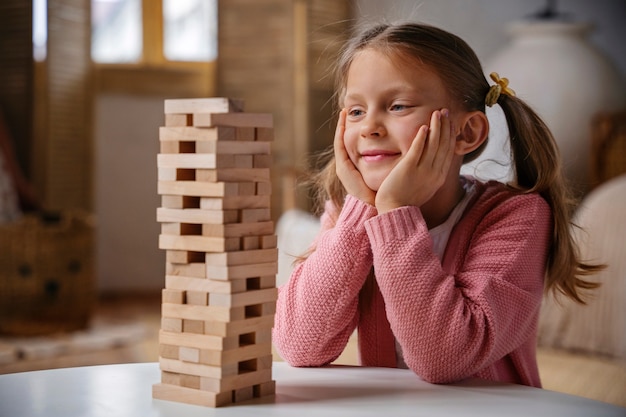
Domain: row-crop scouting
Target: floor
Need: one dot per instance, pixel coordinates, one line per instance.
(124, 329)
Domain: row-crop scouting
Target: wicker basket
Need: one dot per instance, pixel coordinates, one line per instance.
(47, 280)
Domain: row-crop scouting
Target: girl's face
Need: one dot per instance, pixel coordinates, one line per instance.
(387, 101)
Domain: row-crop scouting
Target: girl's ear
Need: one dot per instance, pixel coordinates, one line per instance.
(474, 128)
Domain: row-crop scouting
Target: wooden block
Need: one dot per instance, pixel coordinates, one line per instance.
(197, 298)
(229, 383)
(264, 362)
(263, 188)
(203, 105)
(181, 229)
(238, 327)
(265, 134)
(179, 201)
(234, 148)
(196, 134)
(250, 243)
(198, 369)
(199, 189)
(241, 271)
(173, 296)
(204, 285)
(193, 326)
(189, 381)
(234, 202)
(234, 175)
(183, 256)
(262, 161)
(171, 324)
(242, 257)
(258, 242)
(233, 356)
(268, 308)
(267, 281)
(168, 392)
(167, 174)
(264, 389)
(170, 147)
(179, 146)
(206, 119)
(172, 378)
(191, 312)
(198, 216)
(254, 215)
(243, 161)
(249, 188)
(245, 134)
(187, 354)
(263, 336)
(193, 269)
(196, 160)
(199, 243)
(199, 341)
(244, 298)
(177, 120)
(243, 394)
(177, 256)
(269, 241)
(168, 351)
(238, 229)
(260, 310)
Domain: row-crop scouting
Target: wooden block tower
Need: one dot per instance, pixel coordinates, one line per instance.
(220, 291)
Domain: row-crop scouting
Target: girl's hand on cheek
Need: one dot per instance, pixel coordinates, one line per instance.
(349, 176)
(424, 168)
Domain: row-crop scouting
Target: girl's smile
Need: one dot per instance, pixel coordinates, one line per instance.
(378, 155)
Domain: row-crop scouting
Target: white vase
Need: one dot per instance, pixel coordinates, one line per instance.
(553, 67)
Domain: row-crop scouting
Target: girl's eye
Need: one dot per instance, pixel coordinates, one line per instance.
(398, 107)
(355, 113)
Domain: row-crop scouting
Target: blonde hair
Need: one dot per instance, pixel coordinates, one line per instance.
(534, 151)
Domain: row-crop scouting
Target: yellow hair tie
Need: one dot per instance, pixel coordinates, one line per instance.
(501, 86)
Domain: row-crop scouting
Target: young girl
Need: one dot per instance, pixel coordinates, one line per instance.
(440, 273)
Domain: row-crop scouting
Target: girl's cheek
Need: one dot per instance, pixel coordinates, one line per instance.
(350, 139)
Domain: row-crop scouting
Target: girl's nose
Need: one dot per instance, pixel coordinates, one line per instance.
(372, 128)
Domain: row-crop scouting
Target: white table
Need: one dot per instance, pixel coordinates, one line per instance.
(126, 390)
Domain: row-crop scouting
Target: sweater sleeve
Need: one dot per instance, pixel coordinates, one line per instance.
(316, 310)
(451, 326)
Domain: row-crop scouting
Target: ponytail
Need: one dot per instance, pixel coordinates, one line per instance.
(537, 165)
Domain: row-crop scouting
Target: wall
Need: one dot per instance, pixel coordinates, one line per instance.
(127, 142)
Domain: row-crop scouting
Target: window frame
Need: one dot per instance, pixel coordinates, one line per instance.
(153, 73)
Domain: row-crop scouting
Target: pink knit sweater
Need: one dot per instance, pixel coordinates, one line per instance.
(474, 314)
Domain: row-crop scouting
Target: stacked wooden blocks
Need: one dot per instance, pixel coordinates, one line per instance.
(221, 257)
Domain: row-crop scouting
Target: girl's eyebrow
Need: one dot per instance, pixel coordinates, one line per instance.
(391, 91)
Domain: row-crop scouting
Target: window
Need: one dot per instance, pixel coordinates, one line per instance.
(190, 30)
(155, 46)
(116, 31)
(40, 30)
(135, 31)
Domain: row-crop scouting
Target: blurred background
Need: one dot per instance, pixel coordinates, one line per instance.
(82, 85)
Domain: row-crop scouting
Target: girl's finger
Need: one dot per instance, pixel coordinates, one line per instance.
(432, 143)
(444, 152)
(339, 132)
(417, 146)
